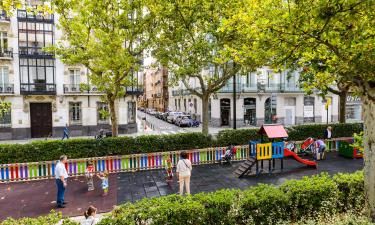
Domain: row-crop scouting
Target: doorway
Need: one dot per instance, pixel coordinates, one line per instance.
(224, 111)
(250, 111)
(41, 119)
(290, 110)
(270, 111)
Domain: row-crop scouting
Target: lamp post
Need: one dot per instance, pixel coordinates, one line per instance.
(234, 103)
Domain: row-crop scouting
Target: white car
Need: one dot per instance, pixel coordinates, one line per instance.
(172, 116)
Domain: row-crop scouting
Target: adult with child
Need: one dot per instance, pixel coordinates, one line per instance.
(183, 172)
(61, 176)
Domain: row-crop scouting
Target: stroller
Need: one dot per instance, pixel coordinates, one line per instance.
(306, 147)
(229, 153)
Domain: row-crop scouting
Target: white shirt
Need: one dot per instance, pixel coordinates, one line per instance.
(60, 171)
(329, 134)
(184, 167)
(90, 221)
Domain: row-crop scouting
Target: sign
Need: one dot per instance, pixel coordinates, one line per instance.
(328, 103)
(308, 111)
(353, 99)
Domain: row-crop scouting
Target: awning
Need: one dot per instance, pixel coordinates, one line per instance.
(273, 131)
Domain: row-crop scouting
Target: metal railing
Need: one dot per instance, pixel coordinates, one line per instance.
(34, 52)
(23, 15)
(7, 88)
(38, 88)
(6, 53)
(77, 89)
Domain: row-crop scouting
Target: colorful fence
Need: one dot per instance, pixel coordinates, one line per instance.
(125, 163)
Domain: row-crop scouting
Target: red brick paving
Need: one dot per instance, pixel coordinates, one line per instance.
(35, 198)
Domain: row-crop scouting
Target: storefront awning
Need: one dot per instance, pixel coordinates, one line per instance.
(273, 131)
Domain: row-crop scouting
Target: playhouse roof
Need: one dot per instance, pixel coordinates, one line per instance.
(273, 131)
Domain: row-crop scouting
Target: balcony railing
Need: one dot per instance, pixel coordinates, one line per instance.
(6, 89)
(6, 53)
(76, 89)
(4, 16)
(134, 90)
(229, 88)
(34, 52)
(38, 89)
(23, 15)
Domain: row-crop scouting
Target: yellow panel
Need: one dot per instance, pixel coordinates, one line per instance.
(264, 151)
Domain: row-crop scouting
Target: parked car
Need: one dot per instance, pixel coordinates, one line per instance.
(172, 116)
(194, 123)
(164, 116)
(183, 120)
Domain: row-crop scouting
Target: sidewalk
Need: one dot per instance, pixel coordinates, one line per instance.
(31, 199)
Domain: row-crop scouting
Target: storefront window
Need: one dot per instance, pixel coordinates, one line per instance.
(353, 108)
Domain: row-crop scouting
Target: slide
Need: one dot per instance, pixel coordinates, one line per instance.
(287, 153)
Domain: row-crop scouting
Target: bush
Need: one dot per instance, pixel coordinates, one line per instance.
(52, 218)
(351, 191)
(86, 148)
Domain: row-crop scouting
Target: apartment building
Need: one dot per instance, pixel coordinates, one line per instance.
(263, 97)
(156, 89)
(45, 94)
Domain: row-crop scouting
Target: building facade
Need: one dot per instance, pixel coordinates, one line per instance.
(156, 93)
(260, 97)
(45, 94)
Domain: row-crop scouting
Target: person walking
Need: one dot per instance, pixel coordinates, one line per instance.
(183, 172)
(66, 132)
(61, 176)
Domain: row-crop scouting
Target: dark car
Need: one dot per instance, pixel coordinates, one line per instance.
(164, 116)
(183, 120)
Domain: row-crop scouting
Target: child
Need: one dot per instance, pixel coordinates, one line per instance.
(89, 176)
(168, 168)
(105, 184)
(90, 216)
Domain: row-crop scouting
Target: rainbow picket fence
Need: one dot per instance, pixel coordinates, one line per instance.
(126, 163)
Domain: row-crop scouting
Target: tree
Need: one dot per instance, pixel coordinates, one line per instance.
(191, 37)
(339, 34)
(108, 37)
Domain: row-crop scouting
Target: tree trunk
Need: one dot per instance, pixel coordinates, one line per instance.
(113, 114)
(342, 105)
(369, 157)
(205, 102)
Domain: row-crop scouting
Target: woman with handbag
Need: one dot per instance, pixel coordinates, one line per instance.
(183, 172)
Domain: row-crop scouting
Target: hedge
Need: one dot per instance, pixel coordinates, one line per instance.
(84, 148)
(315, 198)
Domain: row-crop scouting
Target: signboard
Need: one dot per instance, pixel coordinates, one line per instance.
(308, 111)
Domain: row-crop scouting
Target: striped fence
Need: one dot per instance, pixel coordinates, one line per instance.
(125, 163)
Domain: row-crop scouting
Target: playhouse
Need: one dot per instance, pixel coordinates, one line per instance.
(269, 149)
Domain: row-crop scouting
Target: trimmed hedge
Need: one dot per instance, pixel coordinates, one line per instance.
(311, 198)
(84, 148)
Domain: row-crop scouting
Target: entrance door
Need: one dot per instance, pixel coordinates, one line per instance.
(41, 119)
(289, 115)
(225, 111)
(250, 111)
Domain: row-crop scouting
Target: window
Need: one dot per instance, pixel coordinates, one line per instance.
(131, 112)
(185, 105)
(75, 77)
(179, 104)
(5, 119)
(75, 113)
(3, 41)
(195, 105)
(175, 103)
(103, 113)
(4, 78)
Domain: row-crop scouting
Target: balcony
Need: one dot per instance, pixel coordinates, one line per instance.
(229, 88)
(38, 89)
(134, 90)
(6, 54)
(34, 52)
(249, 88)
(76, 89)
(23, 15)
(6, 89)
(4, 17)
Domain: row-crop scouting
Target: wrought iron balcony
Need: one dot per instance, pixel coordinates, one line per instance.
(4, 17)
(34, 52)
(77, 89)
(23, 15)
(38, 89)
(134, 90)
(229, 88)
(249, 88)
(6, 53)
(6, 89)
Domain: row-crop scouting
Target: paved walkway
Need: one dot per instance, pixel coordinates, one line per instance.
(30, 199)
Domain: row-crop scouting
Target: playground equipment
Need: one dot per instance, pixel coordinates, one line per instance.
(346, 150)
(261, 151)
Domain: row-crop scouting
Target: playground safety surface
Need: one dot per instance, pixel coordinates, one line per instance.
(34, 198)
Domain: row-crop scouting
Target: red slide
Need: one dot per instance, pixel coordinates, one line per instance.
(287, 153)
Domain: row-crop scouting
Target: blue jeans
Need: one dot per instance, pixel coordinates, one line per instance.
(65, 136)
(60, 192)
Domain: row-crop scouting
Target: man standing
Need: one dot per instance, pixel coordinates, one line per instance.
(61, 178)
(328, 133)
(66, 132)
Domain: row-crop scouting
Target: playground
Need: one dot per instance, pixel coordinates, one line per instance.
(33, 198)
